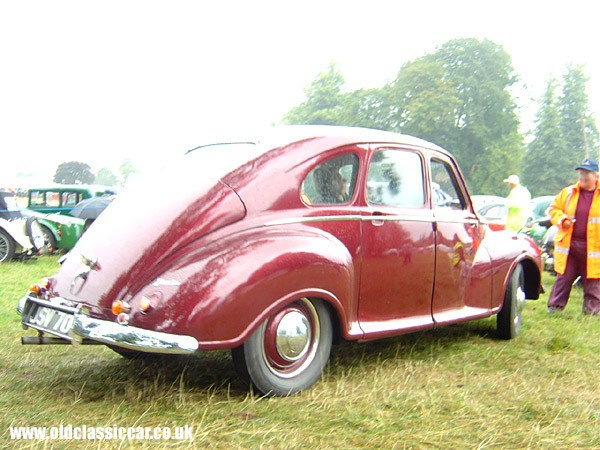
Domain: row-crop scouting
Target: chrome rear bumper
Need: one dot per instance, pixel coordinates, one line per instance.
(86, 329)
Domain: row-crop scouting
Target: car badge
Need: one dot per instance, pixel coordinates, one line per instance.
(89, 263)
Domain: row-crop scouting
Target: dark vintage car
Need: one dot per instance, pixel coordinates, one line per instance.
(20, 236)
(275, 247)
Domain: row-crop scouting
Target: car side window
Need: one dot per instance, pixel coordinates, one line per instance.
(52, 199)
(38, 198)
(496, 212)
(395, 178)
(445, 191)
(331, 182)
(69, 198)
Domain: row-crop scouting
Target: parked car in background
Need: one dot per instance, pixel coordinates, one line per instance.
(540, 205)
(20, 236)
(479, 201)
(90, 208)
(539, 210)
(278, 246)
(62, 198)
(60, 231)
(495, 215)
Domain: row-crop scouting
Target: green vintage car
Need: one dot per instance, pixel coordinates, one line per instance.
(62, 198)
(56, 203)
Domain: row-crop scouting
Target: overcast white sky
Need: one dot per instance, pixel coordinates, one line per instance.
(100, 81)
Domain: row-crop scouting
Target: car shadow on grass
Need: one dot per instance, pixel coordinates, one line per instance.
(106, 376)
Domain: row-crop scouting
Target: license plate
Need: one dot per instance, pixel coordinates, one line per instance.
(50, 321)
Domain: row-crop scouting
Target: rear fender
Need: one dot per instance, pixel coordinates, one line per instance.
(220, 293)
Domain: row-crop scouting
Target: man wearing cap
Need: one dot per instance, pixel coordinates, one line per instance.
(517, 203)
(576, 212)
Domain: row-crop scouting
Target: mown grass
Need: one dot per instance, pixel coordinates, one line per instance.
(454, 388)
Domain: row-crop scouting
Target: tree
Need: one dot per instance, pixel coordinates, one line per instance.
(565, 133)
(126, 169)
(323, 105)
(106, 177)
(419, 102)
(547, 156)
(577, 124)
(73, 173)
(459, 98)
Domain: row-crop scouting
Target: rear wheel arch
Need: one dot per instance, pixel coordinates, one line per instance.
(288, 351)
(276, 280)
(334, 308)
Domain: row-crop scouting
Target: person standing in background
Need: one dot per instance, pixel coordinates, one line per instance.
(517, 203)
(576, 213)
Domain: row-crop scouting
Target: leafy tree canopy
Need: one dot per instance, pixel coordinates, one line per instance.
(107, 178)
(73, 172)
(126, 169)
(457, 97)
(565, 133)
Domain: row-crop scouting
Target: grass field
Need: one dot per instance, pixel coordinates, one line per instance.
(453, 388)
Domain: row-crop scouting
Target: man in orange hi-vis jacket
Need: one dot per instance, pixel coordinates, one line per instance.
(576, 212)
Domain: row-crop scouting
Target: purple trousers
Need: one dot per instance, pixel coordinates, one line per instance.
(576, 266)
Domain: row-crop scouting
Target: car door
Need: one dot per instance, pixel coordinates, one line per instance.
(398, 248)
(462, 286)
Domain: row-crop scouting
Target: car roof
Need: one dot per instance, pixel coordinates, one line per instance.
(331, 136)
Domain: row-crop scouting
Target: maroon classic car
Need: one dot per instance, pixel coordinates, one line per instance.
(275, 247)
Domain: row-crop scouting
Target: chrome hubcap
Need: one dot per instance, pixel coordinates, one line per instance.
(293, 336)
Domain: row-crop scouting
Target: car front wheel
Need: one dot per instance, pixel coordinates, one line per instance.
(287, 352)
(509, 317)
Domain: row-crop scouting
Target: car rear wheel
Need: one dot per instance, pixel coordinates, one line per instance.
(35, 234)
(509, 318)
(7, 247)
(49, 241)
(287, 352)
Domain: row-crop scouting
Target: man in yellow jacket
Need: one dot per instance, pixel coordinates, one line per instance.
(517, 203)
(576, 212)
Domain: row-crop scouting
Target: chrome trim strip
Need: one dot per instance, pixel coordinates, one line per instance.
(397, 219)
(311, 220)
(394, 218)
